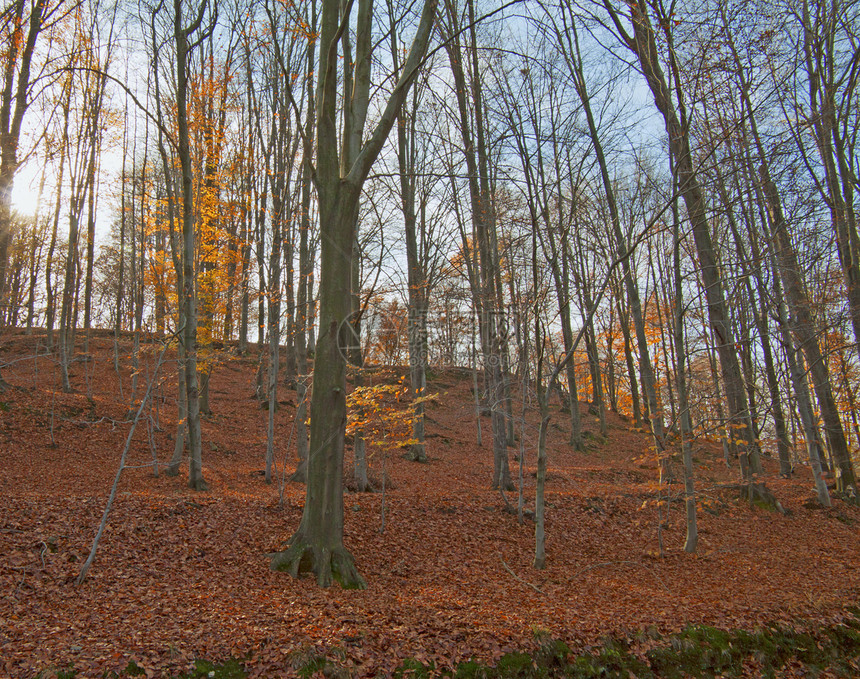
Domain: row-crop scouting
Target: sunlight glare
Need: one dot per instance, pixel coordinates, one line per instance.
(25, 190)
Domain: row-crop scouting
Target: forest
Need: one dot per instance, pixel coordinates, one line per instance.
(311, 260)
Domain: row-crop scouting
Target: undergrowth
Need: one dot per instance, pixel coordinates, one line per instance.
(698, 651)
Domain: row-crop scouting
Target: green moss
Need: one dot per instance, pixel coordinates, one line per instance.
(415, 669)
(203, 669)
(518, 664)
(696, 651)
(471, 670)
(133, 669)
(702, 651)
(764, 504)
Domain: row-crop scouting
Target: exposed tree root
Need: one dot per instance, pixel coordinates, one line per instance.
(416, 454)
(200, 485)
(758, 494)
(329, 565)
(510, 509)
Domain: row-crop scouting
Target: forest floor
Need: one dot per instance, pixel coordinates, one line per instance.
(182, 575)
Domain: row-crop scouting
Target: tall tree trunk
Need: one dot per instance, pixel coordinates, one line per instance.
(181, 36)
(643, 44)
(802, 323)
(624, 320)
(415, 273)
(14, 101)
(474, 146)
(623, 253)
(305, 271)
(317, 545)
(760, 318)
(587, 304)
(686, 423)
(824, 79)
(50, 287)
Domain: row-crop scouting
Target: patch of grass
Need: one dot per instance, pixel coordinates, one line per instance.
(308, 661)
(203, 669)
(702, 651)
(134, 670)
(697, 651)
(414, 669)
(51, 672)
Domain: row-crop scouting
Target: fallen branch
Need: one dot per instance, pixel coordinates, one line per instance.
(518, 578)
(92, 555)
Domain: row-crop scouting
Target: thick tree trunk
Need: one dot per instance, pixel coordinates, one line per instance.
(317, 546)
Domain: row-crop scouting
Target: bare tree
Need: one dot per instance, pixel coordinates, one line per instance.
(342, 166)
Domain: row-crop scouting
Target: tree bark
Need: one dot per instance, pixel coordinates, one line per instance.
(317, 545)
(181, 36)
(14, 101)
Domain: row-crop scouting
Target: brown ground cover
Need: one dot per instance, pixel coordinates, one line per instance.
(182, 575)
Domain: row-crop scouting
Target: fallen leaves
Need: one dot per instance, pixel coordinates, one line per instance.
(182, 575)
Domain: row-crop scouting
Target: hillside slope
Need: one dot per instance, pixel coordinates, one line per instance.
(182, 574)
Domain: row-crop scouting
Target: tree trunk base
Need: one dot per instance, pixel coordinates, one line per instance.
(328, 565)
(361, 486)
(757, 494)
(198, 484)
(416, 454)
(301, 473)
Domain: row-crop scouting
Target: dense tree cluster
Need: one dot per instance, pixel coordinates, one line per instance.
(648, 206)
